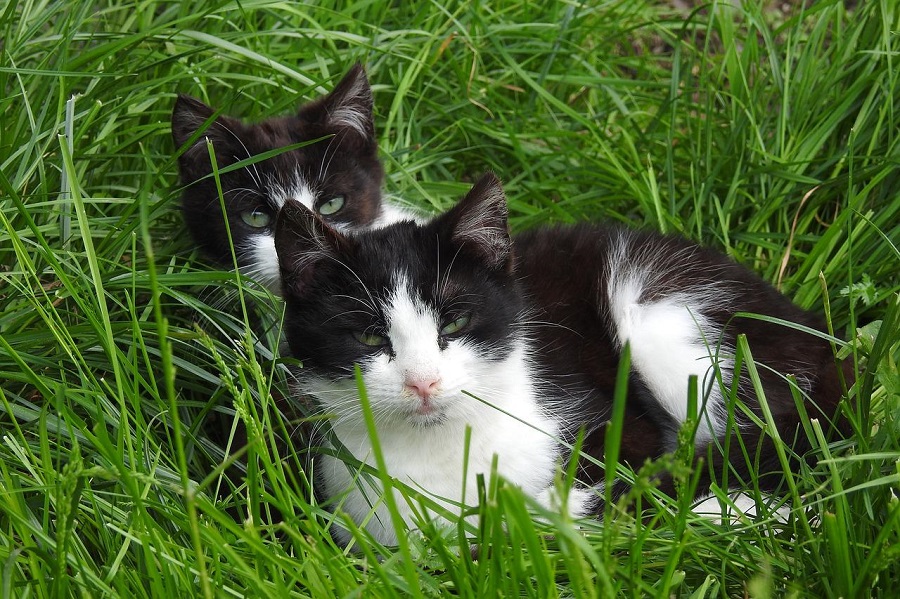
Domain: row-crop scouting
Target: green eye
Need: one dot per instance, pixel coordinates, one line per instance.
(455, 326)
(256, 218)
(332, 206)
(370, 339)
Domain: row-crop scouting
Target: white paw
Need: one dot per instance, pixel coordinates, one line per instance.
(579, 502)
(742, 506)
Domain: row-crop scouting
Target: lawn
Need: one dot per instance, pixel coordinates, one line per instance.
(130, 370)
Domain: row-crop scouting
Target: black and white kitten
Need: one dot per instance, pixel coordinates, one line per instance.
(338, 177)
(439, 314)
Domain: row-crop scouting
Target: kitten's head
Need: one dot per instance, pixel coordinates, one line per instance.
(338, 177)
(427, 311)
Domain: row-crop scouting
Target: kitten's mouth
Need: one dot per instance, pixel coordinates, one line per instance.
(426, 413)
(426, 408)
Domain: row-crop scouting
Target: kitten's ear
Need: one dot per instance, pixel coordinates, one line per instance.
(479, 223)
(302, 242)
(189, 116)
(347, 107)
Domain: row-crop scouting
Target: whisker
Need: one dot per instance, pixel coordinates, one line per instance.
(323, 166)
(254, 174)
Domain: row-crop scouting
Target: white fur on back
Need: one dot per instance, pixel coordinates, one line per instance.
(670, 338)
(428, 455)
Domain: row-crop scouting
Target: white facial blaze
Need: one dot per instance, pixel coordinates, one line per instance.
(416, 360)
(298, 189)
(413, 330)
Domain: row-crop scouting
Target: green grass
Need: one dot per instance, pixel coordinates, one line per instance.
(123, 375)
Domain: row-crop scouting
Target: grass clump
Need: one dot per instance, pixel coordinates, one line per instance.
(126, 383)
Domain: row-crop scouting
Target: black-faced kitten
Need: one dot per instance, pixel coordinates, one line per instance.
(457, 326)
(339, 177)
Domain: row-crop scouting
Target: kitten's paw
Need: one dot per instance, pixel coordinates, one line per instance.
(578, 502)
(741, 507)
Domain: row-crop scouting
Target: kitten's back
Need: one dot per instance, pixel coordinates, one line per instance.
(675, 303)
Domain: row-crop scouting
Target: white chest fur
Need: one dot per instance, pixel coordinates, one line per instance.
(430, 456)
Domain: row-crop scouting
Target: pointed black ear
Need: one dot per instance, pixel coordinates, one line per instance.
(188, 117)
(479, 223)
(303, 241)
(347, 107)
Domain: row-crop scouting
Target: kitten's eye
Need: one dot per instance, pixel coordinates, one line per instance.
(455, 326)
(258, 218)
(332, 206)
(370, 339)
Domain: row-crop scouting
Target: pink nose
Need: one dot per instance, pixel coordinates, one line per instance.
(424, 388)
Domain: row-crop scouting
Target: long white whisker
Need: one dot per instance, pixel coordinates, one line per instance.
(257, 179)
(324, 166)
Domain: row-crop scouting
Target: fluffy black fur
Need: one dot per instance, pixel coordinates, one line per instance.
(343, 163)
